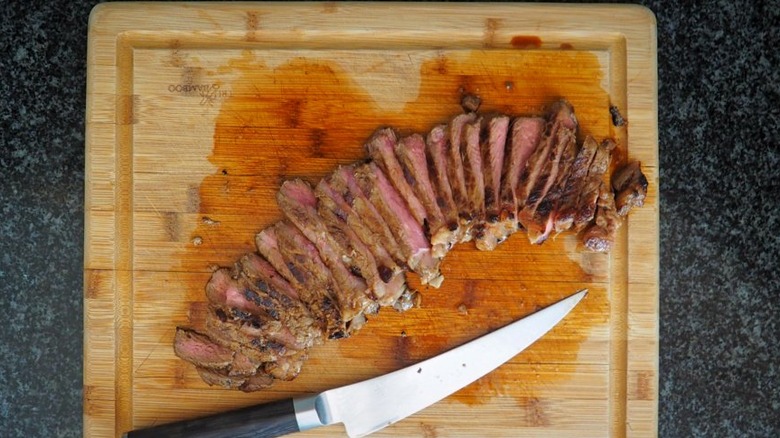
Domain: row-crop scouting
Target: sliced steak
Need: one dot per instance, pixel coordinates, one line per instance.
(381, 149)
(264, 279)
(344, 183)
(243, 333)
(312, 279)
(214, 323)
(456, 173)
(201, 350)
(286, 368)
(543, 167)
(257, 382)
(216, 364)
(526, 134)
(251, 383)
(600, 236)
(297, 201)
(436, 154)
(630, 186)
(221, 379)
(471, 151)
(411, 156)
(542, 221)
(268, 246)
(346, 226)
(243, 365)
(407, 231)
(492, 165)
(589, 194)
(567, 202)
(282, 320)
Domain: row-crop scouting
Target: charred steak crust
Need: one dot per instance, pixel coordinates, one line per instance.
(344, 246)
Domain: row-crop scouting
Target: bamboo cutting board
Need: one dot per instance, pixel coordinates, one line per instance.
(197, 112)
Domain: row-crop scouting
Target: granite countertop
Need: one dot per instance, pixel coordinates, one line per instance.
(719, 94)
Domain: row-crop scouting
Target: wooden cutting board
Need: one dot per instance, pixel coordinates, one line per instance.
(197, 112)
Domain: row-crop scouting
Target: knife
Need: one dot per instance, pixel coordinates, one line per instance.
(374, 404)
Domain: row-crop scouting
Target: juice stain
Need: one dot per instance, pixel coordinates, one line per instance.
(303, 117)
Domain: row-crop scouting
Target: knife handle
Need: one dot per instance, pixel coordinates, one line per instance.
(266, 420)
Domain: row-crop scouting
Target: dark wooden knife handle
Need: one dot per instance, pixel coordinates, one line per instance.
(266, 420)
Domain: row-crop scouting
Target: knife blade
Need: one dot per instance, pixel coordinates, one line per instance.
(374, 404)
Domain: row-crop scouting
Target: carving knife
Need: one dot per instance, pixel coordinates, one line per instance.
(374, 404)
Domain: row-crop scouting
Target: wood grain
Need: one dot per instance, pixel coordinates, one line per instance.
(197, 112)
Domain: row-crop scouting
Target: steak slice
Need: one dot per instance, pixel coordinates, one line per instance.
(286, 368)
(600, 235)
(221, 379)
(542, 221)
(268, 246)
(471, 152)
(280, 319)
(320, 290)
(588, 197)
(543, 166)
(436, 154)
(201, 350)
(264, 279)
(407, 231)
(217, 364)
(299, 204)
(410, 152)
(257, 382)
(526, 135)
(381, 148)
(630, 186)
(344, 183)
(224, 331)
(251, 383)
(492, 166)
(456, 173)
(567, 202)
(243, 333)
(347, 226)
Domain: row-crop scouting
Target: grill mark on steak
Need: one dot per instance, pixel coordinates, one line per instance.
(407, 231)
(298, 203)
(381, 148)
(410, 152)
(493, 151)
(436, 155)
(525, 137)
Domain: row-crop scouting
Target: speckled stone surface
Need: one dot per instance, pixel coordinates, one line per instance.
(719, 120)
